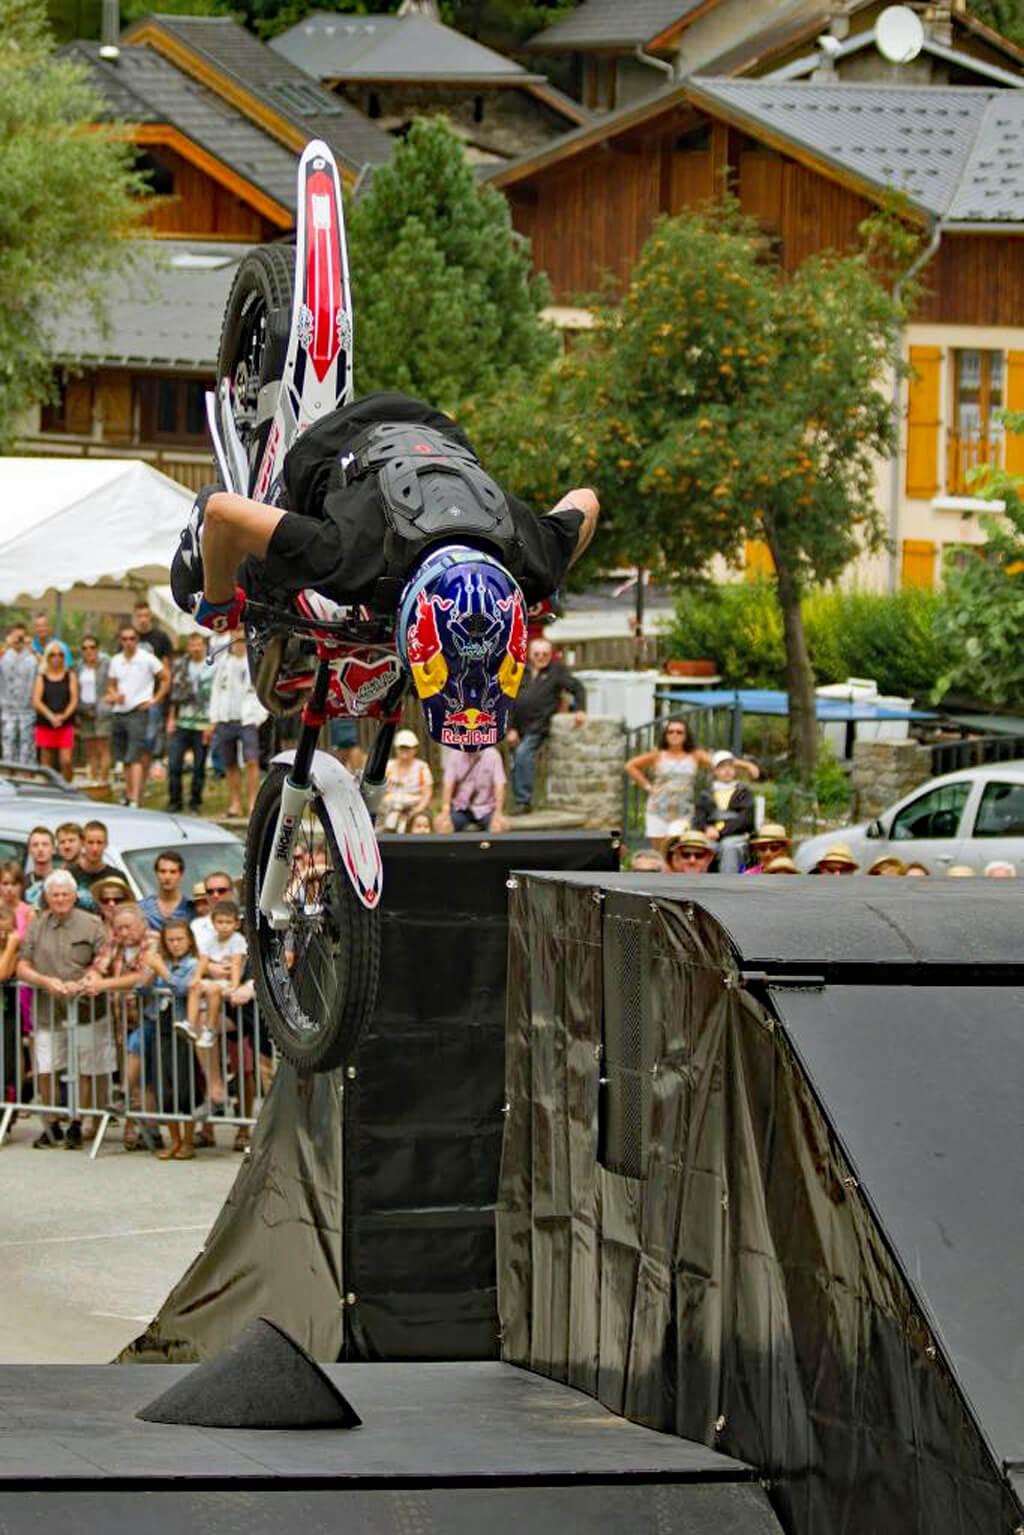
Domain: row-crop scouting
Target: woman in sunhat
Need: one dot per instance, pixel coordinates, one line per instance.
(837, 859)
(771, 841)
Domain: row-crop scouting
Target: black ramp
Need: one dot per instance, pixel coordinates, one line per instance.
(924, 1087)
(821, 924)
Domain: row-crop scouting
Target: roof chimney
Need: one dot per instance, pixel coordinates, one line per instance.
(110, 31)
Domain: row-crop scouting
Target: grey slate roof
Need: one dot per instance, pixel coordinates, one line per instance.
(917, 139)
(612, 23)
(166, 314)
(226, 46)
(143, 86)
(992, 185)
(330, 45)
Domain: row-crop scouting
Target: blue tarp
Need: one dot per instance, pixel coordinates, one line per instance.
(770, 701)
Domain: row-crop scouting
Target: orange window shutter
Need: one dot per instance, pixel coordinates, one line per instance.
(923, 422)
(918, 562)
(1015, 402)
(757, 561)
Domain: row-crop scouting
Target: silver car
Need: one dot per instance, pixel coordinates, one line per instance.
(136, 836)
(970, 817)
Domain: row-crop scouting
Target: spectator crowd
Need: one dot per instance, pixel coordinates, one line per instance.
(153, 996)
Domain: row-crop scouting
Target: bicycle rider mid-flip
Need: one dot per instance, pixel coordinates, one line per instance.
(384, 504)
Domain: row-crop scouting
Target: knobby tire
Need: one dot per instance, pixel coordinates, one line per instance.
(315, 1009)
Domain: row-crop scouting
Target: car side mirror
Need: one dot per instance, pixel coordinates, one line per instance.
(874, 829)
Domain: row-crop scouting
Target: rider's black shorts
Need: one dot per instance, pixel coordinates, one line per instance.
(345, 564)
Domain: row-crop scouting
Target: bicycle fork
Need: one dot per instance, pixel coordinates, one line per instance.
(296, 793)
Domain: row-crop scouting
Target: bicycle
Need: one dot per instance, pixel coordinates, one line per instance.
(312, 865)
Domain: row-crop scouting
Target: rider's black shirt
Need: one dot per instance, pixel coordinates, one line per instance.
(333, 536)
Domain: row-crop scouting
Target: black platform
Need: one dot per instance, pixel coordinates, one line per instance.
(459, 1449)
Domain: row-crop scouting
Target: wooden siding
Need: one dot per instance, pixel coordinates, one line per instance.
(975, 279)
(590, 218)
(199, 208)
(592, 214)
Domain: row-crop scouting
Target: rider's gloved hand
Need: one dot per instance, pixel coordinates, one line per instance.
(220, 616)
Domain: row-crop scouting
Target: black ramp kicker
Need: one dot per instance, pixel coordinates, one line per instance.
(925, 1091)
(262, 1379)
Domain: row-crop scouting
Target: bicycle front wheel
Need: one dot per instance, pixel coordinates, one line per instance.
(316, 981)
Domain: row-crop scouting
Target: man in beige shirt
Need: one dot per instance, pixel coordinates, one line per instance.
(58, 949)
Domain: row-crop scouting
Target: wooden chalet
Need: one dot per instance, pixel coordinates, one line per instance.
(620, 54)
(218, 120)
(394, 68)
(810, 162)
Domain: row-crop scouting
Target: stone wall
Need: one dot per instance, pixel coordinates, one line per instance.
(883, 771)
(582, 768)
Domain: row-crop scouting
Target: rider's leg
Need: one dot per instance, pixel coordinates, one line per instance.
(232, 528)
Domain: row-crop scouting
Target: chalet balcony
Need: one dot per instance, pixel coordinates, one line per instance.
(189, 467)
(967, 453)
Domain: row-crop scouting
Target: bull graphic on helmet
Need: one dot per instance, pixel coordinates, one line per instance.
(462, 633)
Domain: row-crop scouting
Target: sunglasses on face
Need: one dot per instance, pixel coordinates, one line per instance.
(687, 856)
(218, 889)
(111, 900)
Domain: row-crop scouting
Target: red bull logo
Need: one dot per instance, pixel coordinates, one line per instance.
(513, 664)
(423, 645)
(469, 727)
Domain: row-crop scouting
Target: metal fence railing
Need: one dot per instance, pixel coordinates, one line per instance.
(103, 1060)
(975, 751)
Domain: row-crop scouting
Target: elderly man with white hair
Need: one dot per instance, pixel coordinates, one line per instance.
(1000, 868)
(57, 952)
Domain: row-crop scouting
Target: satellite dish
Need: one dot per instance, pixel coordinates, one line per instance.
(899, 34)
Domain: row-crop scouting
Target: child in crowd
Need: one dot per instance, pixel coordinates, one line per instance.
(174, 962)
(219, 971)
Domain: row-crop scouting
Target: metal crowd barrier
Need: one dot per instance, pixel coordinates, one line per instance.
(108, 1060)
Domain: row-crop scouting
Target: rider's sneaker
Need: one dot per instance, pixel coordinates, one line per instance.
(187, 565)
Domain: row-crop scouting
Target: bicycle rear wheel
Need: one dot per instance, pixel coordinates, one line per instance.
(316, 982)
(254, 338)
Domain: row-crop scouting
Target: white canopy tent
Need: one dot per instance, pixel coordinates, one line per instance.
(85, 521)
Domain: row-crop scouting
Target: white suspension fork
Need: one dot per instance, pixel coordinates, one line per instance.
(278, 874)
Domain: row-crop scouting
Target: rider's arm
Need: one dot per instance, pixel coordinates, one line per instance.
(585, 501)
(233, 527)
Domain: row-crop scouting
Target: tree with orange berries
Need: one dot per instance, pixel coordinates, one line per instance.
(723, 399)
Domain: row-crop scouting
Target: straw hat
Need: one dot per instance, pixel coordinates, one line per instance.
(771, 831)
(888, 861)
(839, 854)
(688, 838)
(960, 871)
(199, 891)
(110, 885)
(780, 865)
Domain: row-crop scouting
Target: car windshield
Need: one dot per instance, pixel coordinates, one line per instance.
(201, 858)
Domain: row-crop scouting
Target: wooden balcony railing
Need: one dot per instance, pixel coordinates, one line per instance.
(964, 454)
(188, 467)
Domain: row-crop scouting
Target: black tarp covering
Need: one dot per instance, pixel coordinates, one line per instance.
(681, 1232)
(423, 1116)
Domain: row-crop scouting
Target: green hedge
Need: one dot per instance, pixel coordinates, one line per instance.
(849, 634)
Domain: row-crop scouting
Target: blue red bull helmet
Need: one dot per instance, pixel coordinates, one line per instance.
(462, 633)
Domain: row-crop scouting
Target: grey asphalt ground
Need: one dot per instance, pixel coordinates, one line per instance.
(89, 1249)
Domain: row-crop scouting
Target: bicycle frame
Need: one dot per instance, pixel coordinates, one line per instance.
(349, 806)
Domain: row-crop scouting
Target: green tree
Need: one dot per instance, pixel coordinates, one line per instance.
(982, 618)
(723, 400)
(444, 301)
(67, 196)
(1005, 16)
